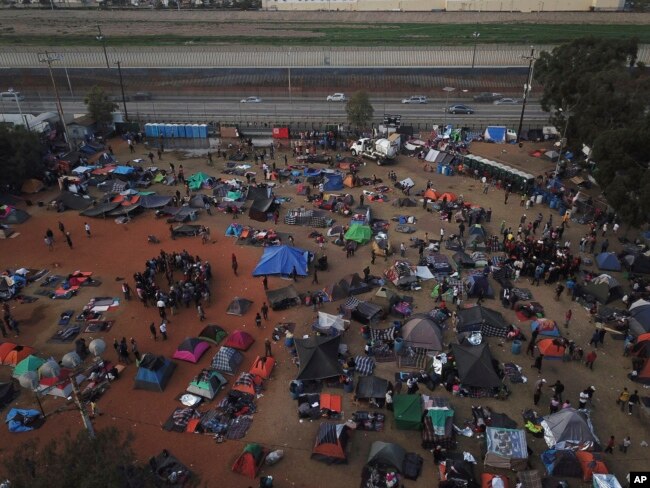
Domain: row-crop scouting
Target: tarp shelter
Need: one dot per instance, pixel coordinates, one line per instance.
(561, 463)
(367, 313)
(257, 192)
(337, 291)
(545, 327)
(329, 324)
(480, 319)
(330, 445)
(100, 210)
(20, 420)
(605, 481)
(569, 429)
(283, 298)
(8, 393)
(186, 230)
(154, 372)
(260, 209)
(371, 387)
(478, 284)
(494, 133)
(333, 182)
(227, 360)
(200, 180)
(607, 261)
(280, 260)
(32, 186)
(476, 367)
(408, 412)
(422, 331)
(318, 357)
(405, 202)
(213, 334)
(590, 464)
(637, 263)
(239, 340)
(207, 384)
(191, 349)
(551, 349)
(358, 233)
(386, 455)
(604, 288)
(250, 460)
(154, 201)
(239, 306)
(506, 448)
(30, 363)
(74, 201)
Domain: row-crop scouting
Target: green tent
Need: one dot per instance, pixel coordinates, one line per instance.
(30, 363)
(234, 195)
(207, 384)
(408, 412)
(196, 181)
(358, 233)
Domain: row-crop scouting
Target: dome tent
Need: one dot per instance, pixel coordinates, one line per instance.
(569, 428)
(154, 373)
(330, 445)
(191, 349)
(421, 331)
(281, 260)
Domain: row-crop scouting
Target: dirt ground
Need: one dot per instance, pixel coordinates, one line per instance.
(260, 24)
(119, 250)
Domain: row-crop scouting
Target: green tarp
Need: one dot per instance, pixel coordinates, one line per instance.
(408, 412)
(196, 181)
(358, 233)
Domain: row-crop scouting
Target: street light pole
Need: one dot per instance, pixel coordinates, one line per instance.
(475, 35)
(290, 97)
(119, 70)
(48, 58)
(102, 39)
(527, 87)
(15, 95)
(447, 89)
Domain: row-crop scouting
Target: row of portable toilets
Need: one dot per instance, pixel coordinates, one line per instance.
(181, 131)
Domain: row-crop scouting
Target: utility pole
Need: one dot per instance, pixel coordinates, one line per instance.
(290, 100)
(102, 39)
(48, 58)
(119, 69)
(82, 409)
(476, 34)
(527, 87)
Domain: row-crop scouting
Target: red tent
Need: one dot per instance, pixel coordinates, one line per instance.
(550, 349)
(431, 195)
(6, 348)
(448, 196)
(640, 349)
(17, 354)
(250, 460)
(262, 367)
(239, 340)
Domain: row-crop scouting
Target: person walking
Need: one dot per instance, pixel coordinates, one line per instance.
(373, 255)
(583, 398)
(590, 359)
(126, 290)
(162, 308)
(68, 239)
(234, 264)
(537, 394)
(314, 280)
(402, 249)
(135, 350)
(594, 339)
(116, 346)
(634, 400)
(87, 229)
(554, 405)
(623, 398)
(49, 242)
(538, 363)
(625, 445)
(152, 329)
(258, 320)
(200, 312)
(567, 318)
(533, 340)
(265, 282)
(163, 330)
(267, 348)
(61, 227)
(265, 311)
(294, 274)
(610, 445)
(558, 389)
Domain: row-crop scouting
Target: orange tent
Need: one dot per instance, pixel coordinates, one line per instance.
(330, 444)
(550, 349)
(17, 354)
(591, 463)
(246, 383)
(262, 367)
(431, 194)
(6, 348)
(448, 196)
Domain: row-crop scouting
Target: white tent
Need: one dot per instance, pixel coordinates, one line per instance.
(328, 322)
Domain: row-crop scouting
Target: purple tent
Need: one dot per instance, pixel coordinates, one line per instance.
(191, 350)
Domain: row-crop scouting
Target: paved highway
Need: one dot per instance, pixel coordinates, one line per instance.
(283, 108)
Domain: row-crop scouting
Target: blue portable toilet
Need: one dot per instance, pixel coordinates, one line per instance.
(181, 130)
(169, 130)
(147, 130)
(175, 130)
(154, 130)
(195, 131)
(439, 171)
(203, 131)
(188, 131)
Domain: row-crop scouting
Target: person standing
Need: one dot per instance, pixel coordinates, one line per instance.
(61, 227)
(533, 340)
(267, 348)
(583, 398)
(68, 239)
(265, 311)
(567, 318)
(610, 445)
(402, 249)
(135, 350)
(558, 389)
(373, 255)
(126, 290)
(265, 282)
(87, 229)
(554, 406)
(625, 445)
(152, 330)
(538, 363)
(3, 329)
(161, 308)
(623, 398)
(634, 400)
(590, 359)
(116, 346)
(234, 263)
(537, 394)
(314, 280)
(258, 320)
(294, 274)
(49, 243)
(200, 312)
(163, 330)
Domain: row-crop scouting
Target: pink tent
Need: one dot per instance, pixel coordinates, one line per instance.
(191, 350)
(239, 340)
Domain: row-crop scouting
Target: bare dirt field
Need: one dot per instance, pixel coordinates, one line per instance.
(120, 250)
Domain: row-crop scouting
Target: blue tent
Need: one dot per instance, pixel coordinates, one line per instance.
(19, 420)
(495, 133)
(234, 230)
(153, 373)
(280, 260)
(333, 182)
(312, 172)
(477, 283)
(608, 261)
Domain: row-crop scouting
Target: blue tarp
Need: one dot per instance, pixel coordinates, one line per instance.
(123, 170)
(280, 260)
(18, 419)
(312, 172)
(333, 182)
(495, 133)
(608, 261)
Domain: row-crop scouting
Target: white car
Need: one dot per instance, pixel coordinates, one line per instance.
(415, 99)
(336, 97)
(250, 100)
(507, 101)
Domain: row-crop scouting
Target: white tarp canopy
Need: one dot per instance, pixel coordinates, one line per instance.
(328, 321)
(432, 155)
(424, 273)
(407, 182)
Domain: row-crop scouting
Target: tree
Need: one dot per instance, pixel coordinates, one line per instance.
(100, 108)
(22, 157)
(82, 462)
(359, 109)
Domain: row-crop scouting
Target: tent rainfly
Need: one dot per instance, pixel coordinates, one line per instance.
(318, 357)
(330, 444)
(408, 412)
(506, 448)
(281, 260)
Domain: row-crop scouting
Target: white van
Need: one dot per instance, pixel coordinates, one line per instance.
(11, 96)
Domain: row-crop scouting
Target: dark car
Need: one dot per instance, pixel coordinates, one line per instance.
(314, 158)
(460, 109)
(487, 97)
(142, 96)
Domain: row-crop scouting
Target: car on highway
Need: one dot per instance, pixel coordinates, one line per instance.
(11, 96)
(415, 99)
(142, 96)
(250, 100)
(487, 97)
(460, 109)
(336, 97)
(117, 98)
(507, 101)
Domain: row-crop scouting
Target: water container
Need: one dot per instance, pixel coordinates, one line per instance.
(555, 201)
(445, 170)
(539, 198)
(399, 343)
(516, 347)
(203, 131)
